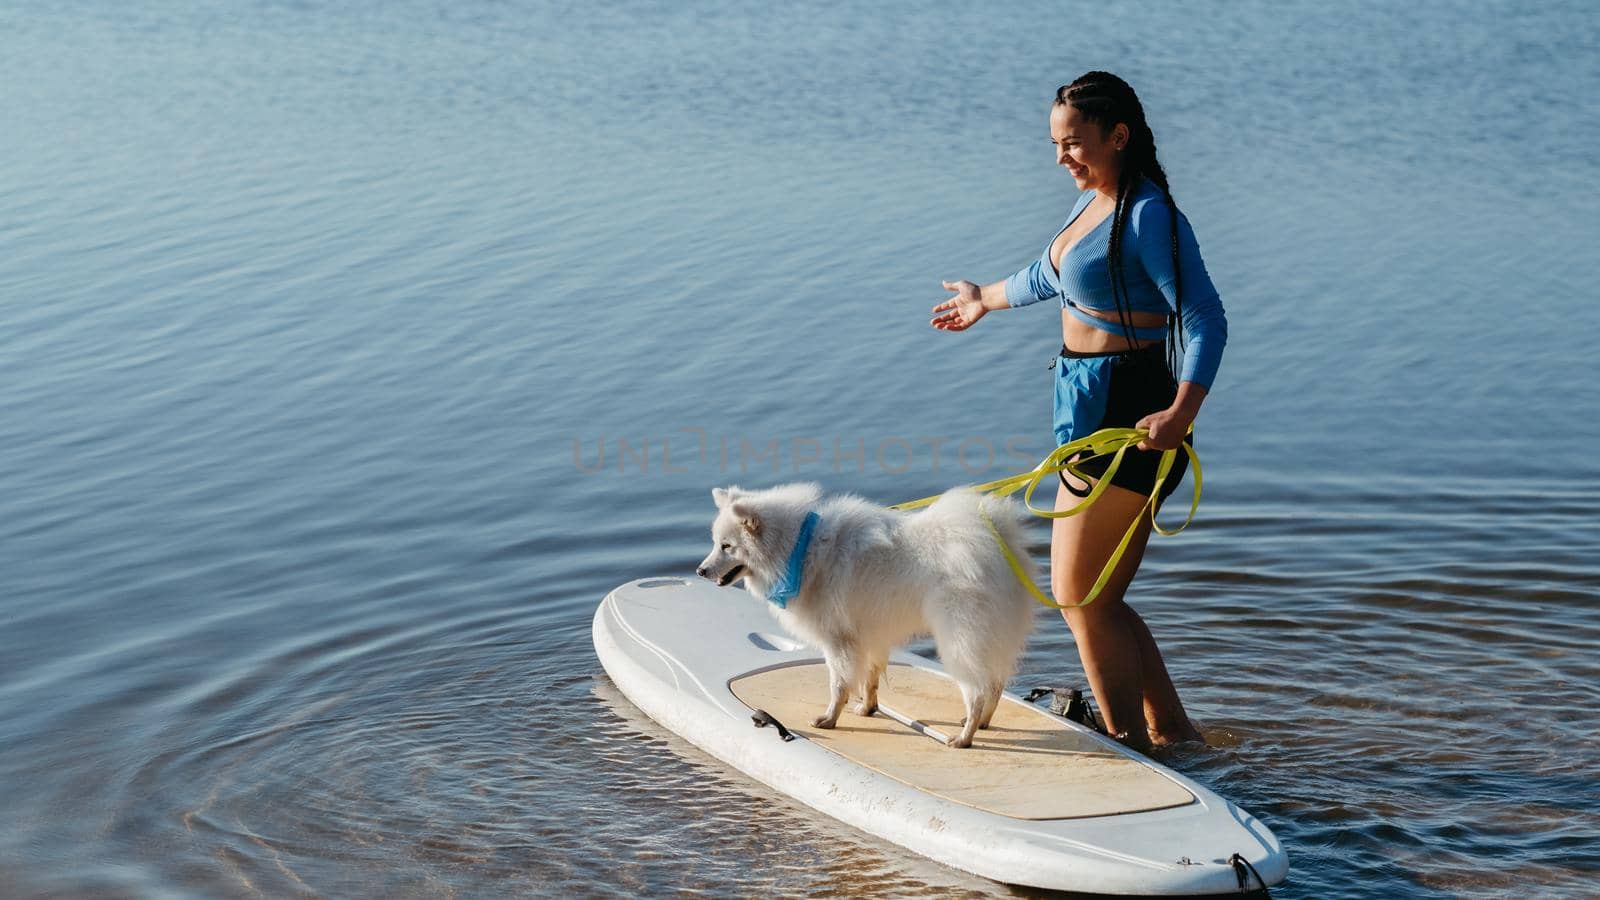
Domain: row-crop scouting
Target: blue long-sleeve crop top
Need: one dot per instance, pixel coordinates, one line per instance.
(1085, 279)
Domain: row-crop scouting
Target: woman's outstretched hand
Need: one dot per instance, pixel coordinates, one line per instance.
(961, 311)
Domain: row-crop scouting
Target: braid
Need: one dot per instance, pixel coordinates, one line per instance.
(1175, 337)
(1106, 99)
(1119, 279)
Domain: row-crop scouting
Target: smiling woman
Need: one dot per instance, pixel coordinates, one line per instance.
(1128, 297)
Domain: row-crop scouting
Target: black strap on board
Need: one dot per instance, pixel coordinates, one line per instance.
(762, 718)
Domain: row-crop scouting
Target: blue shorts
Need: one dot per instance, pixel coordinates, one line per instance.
(1116, 390)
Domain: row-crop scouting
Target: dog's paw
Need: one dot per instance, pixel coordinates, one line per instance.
(862, 709)
(958, 742)
(824, 722)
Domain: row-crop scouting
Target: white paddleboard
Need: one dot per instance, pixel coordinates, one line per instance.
(1037, 800)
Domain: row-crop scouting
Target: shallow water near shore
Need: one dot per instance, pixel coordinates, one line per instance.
(353, 355)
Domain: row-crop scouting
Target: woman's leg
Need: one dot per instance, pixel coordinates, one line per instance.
(1120, 658)
(1163, 711)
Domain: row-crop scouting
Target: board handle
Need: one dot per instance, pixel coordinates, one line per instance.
(762, 718)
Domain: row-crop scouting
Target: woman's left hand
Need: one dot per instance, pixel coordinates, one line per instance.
(1167, 429)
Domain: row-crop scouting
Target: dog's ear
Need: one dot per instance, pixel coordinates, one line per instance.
(747, 516)
(721, 496)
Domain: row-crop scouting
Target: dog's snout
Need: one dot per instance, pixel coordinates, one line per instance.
(701, 571)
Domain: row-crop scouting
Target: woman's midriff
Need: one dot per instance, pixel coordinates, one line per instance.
(1080, 335)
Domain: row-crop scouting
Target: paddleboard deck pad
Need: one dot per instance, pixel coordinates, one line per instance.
(1037, 800)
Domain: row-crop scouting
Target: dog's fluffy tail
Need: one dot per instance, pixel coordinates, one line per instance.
(967, 548)
(1011, 519)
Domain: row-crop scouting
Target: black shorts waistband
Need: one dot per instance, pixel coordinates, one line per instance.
(1158, 346)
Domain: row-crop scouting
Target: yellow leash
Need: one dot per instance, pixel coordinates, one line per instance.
(1113, 442)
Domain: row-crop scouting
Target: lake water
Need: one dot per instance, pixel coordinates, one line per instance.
(352, 352)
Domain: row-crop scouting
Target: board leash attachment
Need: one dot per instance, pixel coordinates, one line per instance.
(1068, 703)
(762, 718)
(1240, 864)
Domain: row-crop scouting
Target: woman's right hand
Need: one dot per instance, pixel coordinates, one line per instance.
(961, 311)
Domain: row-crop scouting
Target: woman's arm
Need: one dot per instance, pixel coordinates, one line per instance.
(1205, 324)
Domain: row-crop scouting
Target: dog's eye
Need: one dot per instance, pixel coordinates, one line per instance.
(726, 547)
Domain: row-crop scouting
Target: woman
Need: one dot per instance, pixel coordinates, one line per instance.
(1118, 367)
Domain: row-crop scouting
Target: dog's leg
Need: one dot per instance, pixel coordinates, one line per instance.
(869, 689)
(973, 701)
(991, 702)
(839, 691)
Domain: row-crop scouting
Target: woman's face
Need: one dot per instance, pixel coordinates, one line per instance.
(1094, 159)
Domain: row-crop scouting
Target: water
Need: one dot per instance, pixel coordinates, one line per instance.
(315, 317)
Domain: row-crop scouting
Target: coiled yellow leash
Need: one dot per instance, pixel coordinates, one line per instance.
(1113, 442)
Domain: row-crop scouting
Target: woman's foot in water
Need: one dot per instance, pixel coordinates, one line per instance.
(1134, 740)
(1187, 734)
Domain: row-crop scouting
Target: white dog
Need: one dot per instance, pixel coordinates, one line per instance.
(861, 580)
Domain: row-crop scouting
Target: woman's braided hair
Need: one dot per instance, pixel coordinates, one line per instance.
(1105, 99)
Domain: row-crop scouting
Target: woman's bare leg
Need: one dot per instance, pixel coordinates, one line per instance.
(1120, 658)
(1163, 711)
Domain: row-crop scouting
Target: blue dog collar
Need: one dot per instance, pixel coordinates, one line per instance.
(789, 585)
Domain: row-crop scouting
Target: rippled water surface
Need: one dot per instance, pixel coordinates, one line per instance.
(353, 352)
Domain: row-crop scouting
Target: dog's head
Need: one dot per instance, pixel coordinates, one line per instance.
(752, 530)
